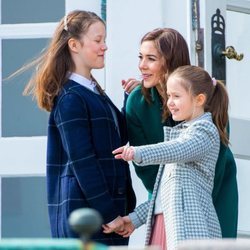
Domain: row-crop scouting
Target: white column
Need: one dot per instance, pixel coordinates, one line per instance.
(0, 207)
(1, 82)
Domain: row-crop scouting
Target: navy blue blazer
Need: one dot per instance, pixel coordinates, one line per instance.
(81, 170)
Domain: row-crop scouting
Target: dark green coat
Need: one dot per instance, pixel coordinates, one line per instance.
(145, 127)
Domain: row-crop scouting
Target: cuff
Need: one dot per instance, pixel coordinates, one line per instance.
(135, 220)
(137, 156)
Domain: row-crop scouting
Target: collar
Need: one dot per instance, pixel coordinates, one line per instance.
(90, 84)
(206, 116)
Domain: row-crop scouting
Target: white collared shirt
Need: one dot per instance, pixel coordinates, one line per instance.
(83, 81)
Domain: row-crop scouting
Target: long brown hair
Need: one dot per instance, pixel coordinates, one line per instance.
(197, 81)
(54, 64)
(173, 48)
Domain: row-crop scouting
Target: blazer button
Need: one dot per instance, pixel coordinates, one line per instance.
(120, 191)
(169, 174)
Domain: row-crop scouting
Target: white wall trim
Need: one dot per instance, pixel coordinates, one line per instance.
(0, 105)
(241, 6)
(0, 207)
(27, 30)
(1, 82)
(26, 157)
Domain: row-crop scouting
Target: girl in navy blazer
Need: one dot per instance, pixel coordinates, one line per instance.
(84, 128)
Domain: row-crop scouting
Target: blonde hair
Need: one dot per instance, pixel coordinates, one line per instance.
(54, 64)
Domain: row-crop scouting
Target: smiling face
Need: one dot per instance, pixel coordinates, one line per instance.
(88, 52)
(94, 46)
(181, 103)
(150, 64)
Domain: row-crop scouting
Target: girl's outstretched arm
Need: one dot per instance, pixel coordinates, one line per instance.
(125, 152)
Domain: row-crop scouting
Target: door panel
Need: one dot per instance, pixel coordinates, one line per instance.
(238, 35)
(17, 110)
(238, 85)
(244, 208)
(237, 32)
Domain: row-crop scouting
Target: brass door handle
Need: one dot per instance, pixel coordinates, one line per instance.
(231, 53)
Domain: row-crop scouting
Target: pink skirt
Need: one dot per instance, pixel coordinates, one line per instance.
(158, 236)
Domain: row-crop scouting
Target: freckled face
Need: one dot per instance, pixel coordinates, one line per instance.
(94, 46)
(150, 64)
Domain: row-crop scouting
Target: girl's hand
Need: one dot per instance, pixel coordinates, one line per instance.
(128, 227)
(113, 226)
(130, 84)
(126, 153)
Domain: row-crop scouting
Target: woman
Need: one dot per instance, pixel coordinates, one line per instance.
(161, 52)
(84, 127)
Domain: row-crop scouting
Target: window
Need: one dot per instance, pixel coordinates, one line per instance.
(32, 11)
(20, 114)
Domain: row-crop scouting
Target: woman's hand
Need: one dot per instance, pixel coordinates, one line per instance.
(126, 153)
(130, 84)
